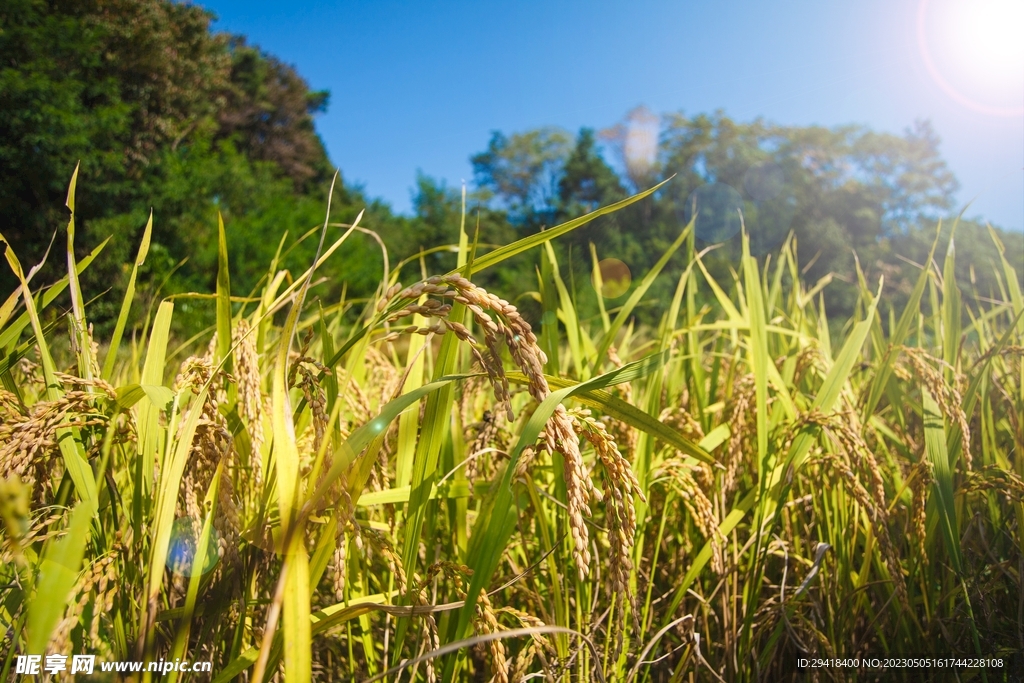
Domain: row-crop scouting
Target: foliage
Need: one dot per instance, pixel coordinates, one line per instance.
(840, 191)
(523, 170)
(431, 485)
(166, 115)
(268, 114)
(162, 114)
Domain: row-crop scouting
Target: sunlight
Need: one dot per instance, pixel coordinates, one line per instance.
(974, 51)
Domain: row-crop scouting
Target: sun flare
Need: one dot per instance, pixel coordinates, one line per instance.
(974, 49)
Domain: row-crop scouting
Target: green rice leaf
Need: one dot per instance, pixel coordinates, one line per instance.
(11, 333)
(58, 574)
(897, 337)
(223, 297)
(130, 394)
(942, 488)
(298, 637)
(951, 323)
(167, 497)
(70, 446)
(634, 298)
(126, 303)
(525, 244)
(610, 404)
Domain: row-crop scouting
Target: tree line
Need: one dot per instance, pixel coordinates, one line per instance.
(165, 114)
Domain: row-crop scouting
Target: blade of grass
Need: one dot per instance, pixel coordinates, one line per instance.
(897, 337)
(297, 629)
(634, 298)
(223, 298)
(568, 311)
(11, 333)
(757, 350)
(951, 321)
(151, 436)
(126, 303)
(525, 244)
(81, 340)
(58, 574)
(166, 501)
(197, 570)
(599, 287)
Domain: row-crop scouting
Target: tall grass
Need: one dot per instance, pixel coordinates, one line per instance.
(424, 486)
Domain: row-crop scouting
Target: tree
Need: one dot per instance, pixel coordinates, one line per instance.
(269, 115)
(523, 171)
(91, 81)
(587, 182)
(908, 174)
(161, 113)
(841, 191)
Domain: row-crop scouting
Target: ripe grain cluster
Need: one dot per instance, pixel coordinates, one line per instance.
(427, 486)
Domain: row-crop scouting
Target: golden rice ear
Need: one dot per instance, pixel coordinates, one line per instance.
(948, 396)
(920, 479)
(487, 622)
(562, 438)
(851, 452)
(250, 395)
(339, 567)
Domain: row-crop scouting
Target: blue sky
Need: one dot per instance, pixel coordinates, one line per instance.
(419, 86)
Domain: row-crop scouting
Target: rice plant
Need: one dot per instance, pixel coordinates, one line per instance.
(429, 486)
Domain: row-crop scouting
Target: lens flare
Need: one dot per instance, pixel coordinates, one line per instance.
(974, 50)
(640, 147)
(181, 553)
(615, 278)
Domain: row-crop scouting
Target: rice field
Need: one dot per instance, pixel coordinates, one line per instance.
(427, 486)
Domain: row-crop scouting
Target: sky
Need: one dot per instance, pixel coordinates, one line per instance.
(419, 86)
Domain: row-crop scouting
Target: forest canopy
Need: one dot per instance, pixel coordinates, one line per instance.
(163, 113)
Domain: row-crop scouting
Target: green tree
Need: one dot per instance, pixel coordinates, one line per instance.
(163, 114)
(91, 81)
(587, 182)
(841, 191)
(522, 171)
(269, 115)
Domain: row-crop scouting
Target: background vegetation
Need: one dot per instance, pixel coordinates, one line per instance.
(165, 115)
